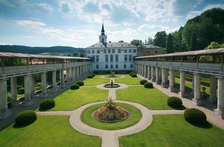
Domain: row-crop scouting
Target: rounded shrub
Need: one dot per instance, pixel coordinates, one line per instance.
(133, 75)
(195, 116)
(74, 86)
(90, 76)
(174, 102)
(148, 85)
(93, 74)
(47, 104)
(25, 117)
(143, 81)
(80, 83)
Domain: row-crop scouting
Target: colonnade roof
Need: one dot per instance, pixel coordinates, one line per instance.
(36, 56)
(189, 53)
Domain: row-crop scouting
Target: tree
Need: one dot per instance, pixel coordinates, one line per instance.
(169, 44)
(136, 42)
(160, 39)
(194, 42)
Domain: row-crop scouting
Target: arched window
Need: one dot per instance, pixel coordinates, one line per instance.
(111, 58)
(131, 66)
(116, 58)
(124, 65)
(106, 66)
(97, 66)
(106, 58)
(116, 66)
(111, 66)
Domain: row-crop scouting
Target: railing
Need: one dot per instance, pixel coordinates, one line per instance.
(205, 68)
(10, 71)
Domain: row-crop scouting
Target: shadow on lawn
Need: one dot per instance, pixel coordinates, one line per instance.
(207, 125)
(16, 126)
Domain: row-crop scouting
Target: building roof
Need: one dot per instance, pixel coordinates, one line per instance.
(120, 44)
(149, 46)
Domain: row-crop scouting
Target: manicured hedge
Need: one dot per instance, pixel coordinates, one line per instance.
(143, 81)
(148, 85)
(93, 74)
(90, 76)
(133, 75)
(174, 102)
(80, 83)
(74, 86)
(47, 104)
(25, 117)
(195, 116)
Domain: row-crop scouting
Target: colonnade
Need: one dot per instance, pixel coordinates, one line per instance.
(67, 75)
(159, 75)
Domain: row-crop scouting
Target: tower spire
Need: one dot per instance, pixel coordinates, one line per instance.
(102, 30)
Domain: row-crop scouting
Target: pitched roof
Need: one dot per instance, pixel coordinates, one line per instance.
(120, 44)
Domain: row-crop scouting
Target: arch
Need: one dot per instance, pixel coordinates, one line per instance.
(97, 66)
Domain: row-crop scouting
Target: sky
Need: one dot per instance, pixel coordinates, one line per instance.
(78, 23)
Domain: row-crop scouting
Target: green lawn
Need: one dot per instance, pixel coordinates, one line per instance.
(97, 80)
(151, 98)
(47, 131)
(72, 99)
(87, 119)
(174, 131)
(128, 80)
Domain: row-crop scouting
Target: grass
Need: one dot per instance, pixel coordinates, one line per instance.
(50, 131)
(72, 99)
(128, 80)
(97, 80)
(87, 119)
(151, 98)
(173, 130)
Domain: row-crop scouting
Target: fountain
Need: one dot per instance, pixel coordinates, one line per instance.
(111, 85)
(111, 113)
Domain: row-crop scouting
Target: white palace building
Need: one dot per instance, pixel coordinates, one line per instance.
(111, 56)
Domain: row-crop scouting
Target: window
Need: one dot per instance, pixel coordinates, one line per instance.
(111, 58)
(97, 58)
(116, 66)
(88, 51)
(113, 50)
(131, 66)
(97, 66)
(108, 50)
(111, 66)
(130, 58)
(129, 51)
(98, 51)
(125, 58)
(93, 51)
(119, 50)
(134, 51)
(93, 58)
(104, 51)
(116, 58)
(106, 66)
(124, 65)
(156, 52)
(125, 51)
(106, 58)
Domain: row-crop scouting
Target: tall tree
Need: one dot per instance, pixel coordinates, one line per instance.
(160, 39)
(136, 42)
(169, 44)
(194, 42)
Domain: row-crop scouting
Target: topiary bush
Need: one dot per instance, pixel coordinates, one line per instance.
(74, 86)
(174, 102)
(148, 85)
(80, 83)
(143, 81)
(133, 75)
(25, 117)
(195, 116)
(90, 76)
(47, 104)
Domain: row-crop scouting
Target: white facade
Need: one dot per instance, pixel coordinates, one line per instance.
(111, 56)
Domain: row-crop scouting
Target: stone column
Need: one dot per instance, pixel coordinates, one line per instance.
(67, 76)
(32, 85)
(62, 84)
(4, 111)
(197, 89)
(44, 93)
(182, 84)
(160, 75)
(14, 100)
(163, 84)
(152, 74)
(27, 89)
(149, 73)
(54, 81)
(145, 71)
(171, 81)
(212, 99)
(157, 75)
(220, 105)
(166, 75)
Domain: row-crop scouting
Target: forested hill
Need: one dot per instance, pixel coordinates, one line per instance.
(38, 50)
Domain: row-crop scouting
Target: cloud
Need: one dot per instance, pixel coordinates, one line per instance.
(64, 8)
(145, 28)
(40, 8)
(31, 24)
(91, 8)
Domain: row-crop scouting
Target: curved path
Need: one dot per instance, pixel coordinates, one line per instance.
(110, 137)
